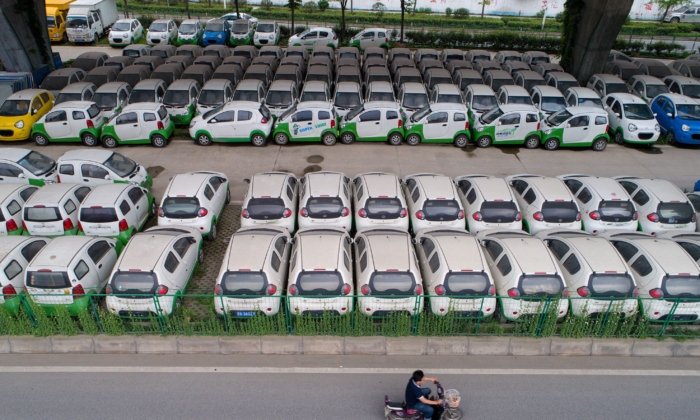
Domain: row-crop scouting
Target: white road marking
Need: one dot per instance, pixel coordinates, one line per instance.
(341, 370)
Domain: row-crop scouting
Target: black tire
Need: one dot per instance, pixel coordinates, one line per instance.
(413, 140)
(452, 414)
(89, 140)
(281, 139)
(212, 234)
(228, 196)
(159, 141)
(461, 141)
(675, 20)
(347, 138)
(95, 38)
(532, 142)
(599, 145)
(671, 139)
(40, 139)
(65, 37)
(395, 139)
(551, 144)
(484, 142)
(203, 140)
(618, 138)
(258, 140)
(154, 209)
(200, 256)
(109, 142)
(329, 139)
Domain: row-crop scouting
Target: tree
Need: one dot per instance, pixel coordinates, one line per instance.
(379, 8)
(483, 4)
(667, 5)
(323, 5)
(187, 8)
(237, 14)
(309, 6)
(293, 5)
(343, 6)
(405, 5)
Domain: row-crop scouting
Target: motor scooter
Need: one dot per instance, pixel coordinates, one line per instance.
(447, 410)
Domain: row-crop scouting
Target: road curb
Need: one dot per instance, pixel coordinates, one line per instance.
(331, 345)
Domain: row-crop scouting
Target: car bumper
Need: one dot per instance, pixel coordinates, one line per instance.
(656, 228)
(15, 134)
(419, 225)
(201, 223)
(378, 306)
(299, 305)
(536, 226)
(513, 309)
(660, 311)
(363, 222)
(79, 306)
(475, 227)
(341, 222)
(594, 308)
(287, 223)
(641, 136)
(463, 308)
(268, 305)
(596, 226)
(140, 308)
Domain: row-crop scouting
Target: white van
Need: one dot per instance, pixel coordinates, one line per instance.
(12, 199)
(271, 199)
(388, 275)
(489, 203)
(455, 273)
(16, 252)
(325, 200)
(321, 272)
(253, 274)
(52, 210)
(378, 201)
(433, 202)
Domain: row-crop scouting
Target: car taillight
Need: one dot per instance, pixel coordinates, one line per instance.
(403, 213)
(78, 291)
(303, 212)
(90, 124)
(345, 211)
(460, 215)
(578, 216)
(11, 226)
(635, 216)
(123, 225)
(286, 213)
(162, 290)
(160, 125)
(538, 126)
(8, 291)
(538, 216)
(653, 217)
(400, 123)
(635, 292)
(335, 38)
(420, 215)
(362, 213)
(492, 290)
(68, 224)
(80, 227)
(694, 218)
(518, 217)
(513, 292)
(583, 291)
(332, 123)
(594, 215)
(24, 226)
(202, 212)
(271, 289)
(440, 290)
(477, 216)
(161, 213)
(365, 290)
(466, 125)
(58, 178)
(108, 289)
(293, 290)
(565, 293)
(263, 121)
(418, 289)
(345, 290)
(218, 290)
(656, 293)
(245, 214)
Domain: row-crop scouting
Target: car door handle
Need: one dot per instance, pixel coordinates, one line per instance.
(65, 123)
(586, 128)
(136, 125)
(85, 180)
(99, 266)
(138, 207)
(377, 123)
(309, 123)
(445, 125)
(517, 126)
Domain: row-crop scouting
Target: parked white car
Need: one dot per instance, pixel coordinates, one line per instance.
(581, 96)
(112, 97)
(267, 33)
(162, 31)
(631, 119)
(95, 167)
(52, 210)
(489, 203)
(214, 93)
(325, 200)
(432, 202)
(125, 32)
(373, 121)
(378, 201)
(16, 252)
(72, 121)
(24, 166)
(237, 121)
(314, 37)
(371, 37)
(12, 199)
(271, 199)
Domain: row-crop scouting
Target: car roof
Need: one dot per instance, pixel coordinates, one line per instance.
(105, 194)
(548, 91)
(668, 254)
(347, 87)
(216, 84)
(27, 94)
(7, 189)
(315, 86)
(281, 85)
(584, 92)
(682, 79)
(268, 184)
(190, 21)
(202, 68)
(9, 243)
(100, 71)
(402, 70)
(381, 104)
(677, 98)
(537, 53)
(149, 83)
(144, 250)
(577, 110)
(14, 154)
(76, 87)
(627, 98)
(498, 74)
(460, 250)
(314, 105)
(389, 249)
(530, 75)
(50, 194)
(448, 106)
(518, 108)
(530, 254)
(294, 69)
(662, 189)
(162, 20)
(182, 84)
(73, 104)
(608, 78)
(246, 249)
(551, 189)
(413, 87)
(187, 184)
(241, 105)
(439, 186)
(514, 90)
(137, 69)
(434, 72)
(60, 251)
(380, 183)
(606, 188)
(648, 80)
(562, 76)
(319, 248)
(324, 183)
(142, 106)
(492, 188)
(599, 253)
(93, 54)
(91, 155)
(377, 69)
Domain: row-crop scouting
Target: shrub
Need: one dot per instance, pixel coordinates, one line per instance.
(146, 20)
(299, 29)
(559, 17)
(323, 5)
(664, 48)
(379, 8)
(461, 13)
(628, 47)
(284, 31)
(309, 7)
(424, 10)
(267, 4)
(448, 12)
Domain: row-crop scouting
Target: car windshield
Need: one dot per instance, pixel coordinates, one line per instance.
(348, 78)
(105, 101)
(36, 163)
(324, 207)
(675, 213)
(484, 102)
(76, 22)
(616, 88)
(279, 98)
(120, 165)
(180, 207)
(255, 76)
(42, 214)
(212, 112)
(319, 283)
(392, 283)
(211, 97)
(354, 113)
(176, 97)
(552, 103)
(541, 285)
(245, 95)
(616, 211)
(244, 283)
(121, 26)
(681, 287)
(381, 78)
(48, 279)
(265, 208)
(559, 211)
(142, 95)
(611, 285)
(521, 100)
(214, 27)
(54, 83)
(491, 116)
(692, 90)
(466, 82)
(266, 27)
(240, 28)
(14, 108)
(158, 27)
(498, 211)
(659, 71)
(287, 76)
(497, 83)
(131, 53)
(450, 99)
(383, 208)
(638, 112)
(347, 99)
(287, 113)
(590, 102)
(467, 284)
(50, 22)
(65, 97)
(132, 283)
(98, 215)
(441, 210)
(188, 29)
(420, 114)
(160, 53)
(558, 117)
(654, 90)
(415, 100)
(313, 96)
(688, 112)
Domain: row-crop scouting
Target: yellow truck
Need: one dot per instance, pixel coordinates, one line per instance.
(56, 11)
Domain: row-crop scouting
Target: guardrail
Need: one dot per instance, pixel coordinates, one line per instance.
(349, 315)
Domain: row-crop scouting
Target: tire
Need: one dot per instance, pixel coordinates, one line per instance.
(618, 138)
(532, 142)
(329, 139)
(675, 20)
(65, 38)
(212, 234)
(484, 142)
(109, 142)
(154, 209)
(89, 140)
(95, 38)
(461, 141)
(395, 139)
(281, 139)
(599, 145)
(501, 319)
(347, 138)
(203, 140)
(228, 196)
(671, 139)
(452, 414)
(258, 140)
(200, 256)
(40, 140)
(551, 144)
(413, 140)
(159, 141)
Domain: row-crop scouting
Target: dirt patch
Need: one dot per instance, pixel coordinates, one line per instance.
(312, 168)
(154, 171)
(314, 159)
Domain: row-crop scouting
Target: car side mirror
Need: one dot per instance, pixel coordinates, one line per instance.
(655, 114)
(291, 241)
(568, 125)
(108, 178)
(34, 111)
(21, 176)
(617, 115)
(670, 115)
(246, 180)
(500, 123)
(414, 241)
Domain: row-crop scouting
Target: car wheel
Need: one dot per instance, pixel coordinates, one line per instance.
(461, 141)
(484, 141)
(671, 139)
(281, 139)
(158, 141)
(329, 139)
(89, 140)
(551, 144)
(95, 38)
(413, 140)
(532, 142)
(109, 142)
(675, 20)
(618, 138)
(212, 233)
(347, 138)
(200, 256)
(228, 196)
(395, 139)
(599, 145)
(154, 209)
(258, 140)
(65, 38)
(41, 140)
(203, 140)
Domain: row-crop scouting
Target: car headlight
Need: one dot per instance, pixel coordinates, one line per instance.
(409, 126)
(19, 124)
(480, 129)
(657, 127)
(55, 35)
(548, 131)
(684, 127)
(257, 36)
(632, 127)
(192, 123)
(204, 35)
(219, 36)
(162, 36)
(272, 36)
(343, 124)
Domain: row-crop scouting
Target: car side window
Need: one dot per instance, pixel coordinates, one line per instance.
(66, 170)
(532, 118)
(437, 118)
(30, 251)
(275, 262)
(279, 245)
(600, 87)
(78, 115)
(464, 185)
(519, 186)
(81, 270)
(12, 270)
(601, 120)
(692, 249)
(56, 116)
(639, 88)
(245, 115)
(360, 244)
(69, 206)
(616, 109)
(428, 246)
(324, 115)
(290, 193)
(27, 192)
(363, 262)
(558, 248)
(215, 182)
(13, 207)
(573, 185)
(171, 262)
(694, 200)
(609, 101)
(148, 116)
(415, 195)
(208, 193)
(392, 115)
(674, 88)
(374, 115)
(98, 250)
(504, 265)
(181, 246)
(642, 266)
(124, 207)
(135, 194)
(44, 97)
(226, 116)
(471, 197)
(494, 249)
(628, 186)
(572, 265)
(434, 262)
(530, 196)
(128, 118)
(123, 95)
(580, 121)
(36, 103)
(668, 108)
(585, 195)
(81, 193)
(625, 249)
(360, 192)
(9, 170)
(641, 198)
(93, 171)
(303, 116)
(510, 119)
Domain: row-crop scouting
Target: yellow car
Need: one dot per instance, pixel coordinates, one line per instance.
(21, 110)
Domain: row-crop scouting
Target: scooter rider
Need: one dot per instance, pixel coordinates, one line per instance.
(417, 397)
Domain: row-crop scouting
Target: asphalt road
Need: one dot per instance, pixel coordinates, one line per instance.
(547, 388)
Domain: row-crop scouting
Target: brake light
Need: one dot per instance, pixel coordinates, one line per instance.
(345, 211)
(386, 39)
(460, 215)
(656, 293)
(24, 226)
(80, 227)
(403, 213)
(332, 123)
(466, 125)
(90, 124)
(345, 290)
(162, 290)
(565, 294)
(636, 215)
(578, 216)
(420, 215)
(492, 290)
(161, 213)
(160, 125)
(245, 214)
(286, 213)
(694, 218)
(583, 291)
(335, 38)
(400, 123)
(477, 216)
(58, 178)
(513, 292)
(78, 291)
(123, 225)
(418, 290)
(518, 217)
(108, 289)
(8, 291)
(303, 212)
(365, 290)
(635, 292)
(263, 121)
(653, 217)
(11, 226)
(538, 126)
(202, 212)
(594, 215)
(440, 290)
(538, 216)
(68, 224)
(362, 213)
(271, 289)
(218, 290)
(293, 290)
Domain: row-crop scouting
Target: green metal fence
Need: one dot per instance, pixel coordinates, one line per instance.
(199, 314)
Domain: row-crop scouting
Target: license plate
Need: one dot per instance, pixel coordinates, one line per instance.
(78, 40)
(244, 313)
(620, 224)
(680, 226)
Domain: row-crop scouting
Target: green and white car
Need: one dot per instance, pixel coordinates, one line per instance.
(181, 100)
(24, 166)
(479, 100)
(439, 123)
(190, 32)
(508, 124)
(53, 210)
(576, 126)
(242, 31)
(111, 98)
(233, 122)
(307, 121)
(125, 32)
(70, 122)
(93, 167)
(139, 123)
(373, 121)
(15, 255)
(371, 37)
(12, 199)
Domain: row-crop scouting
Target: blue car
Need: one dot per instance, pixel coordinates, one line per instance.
(217, 32)
(679, 117)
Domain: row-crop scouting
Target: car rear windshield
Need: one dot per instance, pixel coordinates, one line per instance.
(141, 95)
(291, 77)
(133, 283)
(54, 82)
(441, 210)
(266, 208)
(529, 84)
(48, 279)
(563, 86)
(681, 287)
(245, 95)
(611, 285)
(121, 165)
(181, 207)
(540, 59)
(497, 83)
(42, 214)
(319, 283)
(616, 211)
(65, 97)
(616, 88)
(383, 208)
(98, 215)
(559, 211)
(541, 285)
(675, 213)
(467, 284)
(36, 163)
(410, 79)
(244, 283)
(324, 207)
(380, 78)
(392, 283)
(498, 211)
